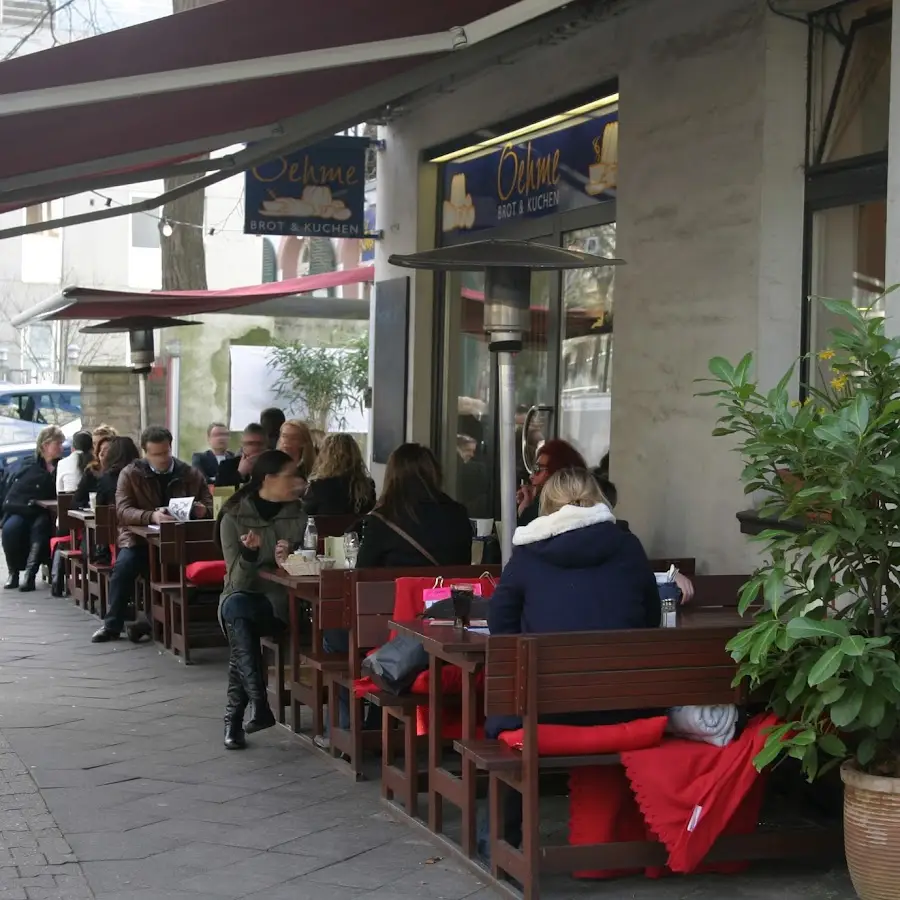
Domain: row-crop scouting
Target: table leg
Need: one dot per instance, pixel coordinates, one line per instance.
(318, 713)
(295, 659)
(435, 743)
(469, 725)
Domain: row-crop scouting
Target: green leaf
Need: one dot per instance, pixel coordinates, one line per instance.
(824, 544)
(827, 665)
(855, 645)
(722, 369)
(773, 590)
(847, 709)
(832, 745)
(749, 594)
(872, 710)
(797, 686)
(742, 369)
(865, 752)
(722, 432)
(805, 627)
(833, 694)
(858, 413)
(769, 753)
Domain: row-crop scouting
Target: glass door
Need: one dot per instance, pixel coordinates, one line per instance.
(587, 345)
(471, 467)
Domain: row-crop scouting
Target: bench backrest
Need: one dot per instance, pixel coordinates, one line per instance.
(105, 525)
(183, 543)
(611, 670)
(718, 590)
(65, 500)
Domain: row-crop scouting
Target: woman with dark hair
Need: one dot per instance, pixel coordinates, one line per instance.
(71, 469)
(414, 522)
(340, 484)
(90, 478)
(26, 526)
(552, 457)
(257, 528)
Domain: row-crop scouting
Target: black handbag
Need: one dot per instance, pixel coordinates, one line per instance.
(443, 609)
(394, 666)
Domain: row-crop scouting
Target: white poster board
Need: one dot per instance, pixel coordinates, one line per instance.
(253, 389)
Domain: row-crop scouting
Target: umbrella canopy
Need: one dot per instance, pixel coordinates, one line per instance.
(135, 323)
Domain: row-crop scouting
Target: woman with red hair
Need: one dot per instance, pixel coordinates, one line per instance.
(552, 457)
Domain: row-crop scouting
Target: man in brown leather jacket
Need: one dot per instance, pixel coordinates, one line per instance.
(143, 494)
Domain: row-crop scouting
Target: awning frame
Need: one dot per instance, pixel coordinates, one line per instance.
(322, 122)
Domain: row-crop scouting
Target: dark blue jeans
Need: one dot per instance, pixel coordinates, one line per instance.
(19, 533)
(337, 640)
(256, 608)
(131, 562)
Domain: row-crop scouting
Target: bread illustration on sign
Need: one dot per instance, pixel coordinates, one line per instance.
(603, 174)
(315, 203)
(459, 210)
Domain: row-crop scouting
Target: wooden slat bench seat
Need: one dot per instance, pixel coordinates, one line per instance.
(97, 575)
(530, 676)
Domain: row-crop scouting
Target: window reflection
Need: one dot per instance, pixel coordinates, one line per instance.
(587, 345)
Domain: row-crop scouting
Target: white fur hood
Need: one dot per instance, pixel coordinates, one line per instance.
(569, 518)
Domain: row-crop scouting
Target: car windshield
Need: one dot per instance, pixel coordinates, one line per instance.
(43, 407)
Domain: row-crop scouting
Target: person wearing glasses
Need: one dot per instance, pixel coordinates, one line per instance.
(552, 457)
(235, 471)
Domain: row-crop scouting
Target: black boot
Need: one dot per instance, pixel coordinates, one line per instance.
(235, 704)
(32, 567)
(12, 582)
(247, 655)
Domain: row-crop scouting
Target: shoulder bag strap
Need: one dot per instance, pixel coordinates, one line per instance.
(409, 540)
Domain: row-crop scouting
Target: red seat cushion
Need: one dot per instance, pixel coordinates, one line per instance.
(576, 740)
(58, 541)
(209, 572)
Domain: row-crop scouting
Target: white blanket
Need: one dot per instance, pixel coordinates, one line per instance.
(714, 725)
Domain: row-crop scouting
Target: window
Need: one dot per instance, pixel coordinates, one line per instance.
(144, 230)
(44, 212)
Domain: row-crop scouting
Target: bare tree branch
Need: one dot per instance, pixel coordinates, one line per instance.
(49, 18)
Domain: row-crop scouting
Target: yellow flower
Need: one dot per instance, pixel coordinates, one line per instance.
(807, 401)
(795, 404)
(839, 382)
(826, 354)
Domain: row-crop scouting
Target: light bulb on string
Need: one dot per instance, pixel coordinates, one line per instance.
(167, 229)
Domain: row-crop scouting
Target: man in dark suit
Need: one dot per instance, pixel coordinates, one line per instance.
(235, 471)
(217, 436)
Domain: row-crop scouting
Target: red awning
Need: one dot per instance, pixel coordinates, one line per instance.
(104, 303)
(88, 144)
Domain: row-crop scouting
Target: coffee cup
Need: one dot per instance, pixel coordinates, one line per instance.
(92, 501)
(483, 527)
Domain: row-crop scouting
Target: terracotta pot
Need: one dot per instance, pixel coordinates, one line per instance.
(872, 832)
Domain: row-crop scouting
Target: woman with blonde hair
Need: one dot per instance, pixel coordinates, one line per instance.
(296, 440)
(340, 484)
(572, 569)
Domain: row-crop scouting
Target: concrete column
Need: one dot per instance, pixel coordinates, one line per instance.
(406, 203)
(892, 256)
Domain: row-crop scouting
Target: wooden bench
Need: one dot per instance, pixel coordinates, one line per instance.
(188, 625)
(370, 598)
(530, 676)
(97, 574)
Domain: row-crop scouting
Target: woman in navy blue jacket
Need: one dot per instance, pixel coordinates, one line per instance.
(572, 569)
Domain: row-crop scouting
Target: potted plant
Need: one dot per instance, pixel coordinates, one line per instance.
(824, 642)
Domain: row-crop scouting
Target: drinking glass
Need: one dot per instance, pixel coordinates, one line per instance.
(351, 549)
(461, 595)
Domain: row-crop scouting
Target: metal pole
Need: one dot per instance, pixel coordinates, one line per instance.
(142, 394)
(506, 393)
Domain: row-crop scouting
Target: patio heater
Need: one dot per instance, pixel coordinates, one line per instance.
(507, 268)
(140, 344)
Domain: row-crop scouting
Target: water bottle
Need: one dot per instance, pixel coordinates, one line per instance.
(311, 535)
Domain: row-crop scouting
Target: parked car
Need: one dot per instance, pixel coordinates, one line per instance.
(44, 404)
(17, 439)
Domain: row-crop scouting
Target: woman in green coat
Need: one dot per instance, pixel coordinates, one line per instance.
(257, 528)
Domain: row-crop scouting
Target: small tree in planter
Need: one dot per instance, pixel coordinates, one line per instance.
(825, 642)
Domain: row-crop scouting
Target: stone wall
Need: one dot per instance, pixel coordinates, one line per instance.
(109, 394)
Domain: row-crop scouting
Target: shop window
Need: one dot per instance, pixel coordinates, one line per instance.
(587, 345)
(849, 245)
(851, 84)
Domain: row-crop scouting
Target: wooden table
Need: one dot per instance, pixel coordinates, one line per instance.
(324, 594)
(447, 645)
(50, 505)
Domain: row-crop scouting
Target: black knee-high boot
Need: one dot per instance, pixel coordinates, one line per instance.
(33, 566)
(235, 705)
(246, 653)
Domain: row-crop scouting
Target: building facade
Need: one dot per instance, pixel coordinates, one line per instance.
(745, 170)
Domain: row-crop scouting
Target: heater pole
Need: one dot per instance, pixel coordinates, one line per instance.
(142, 398)
(506, 368)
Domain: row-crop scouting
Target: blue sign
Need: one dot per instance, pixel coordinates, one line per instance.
(316, 192)
(566, 169)
(367, 248)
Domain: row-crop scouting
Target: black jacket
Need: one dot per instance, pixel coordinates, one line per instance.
(228, 475)
(331, 497)
(207, 463)
(26, 482)
(442, 527)
(86, 487)
(575, 570)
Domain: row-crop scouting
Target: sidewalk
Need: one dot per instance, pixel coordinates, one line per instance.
(114, 785)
